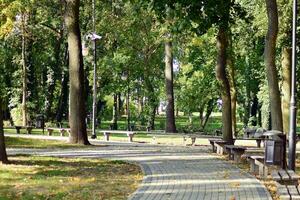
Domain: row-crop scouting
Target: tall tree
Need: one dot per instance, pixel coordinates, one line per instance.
(77, 113)
(231, 77)
(170, 117)
(222, 45)
(3, 155)
(24, 69)
(270, 53)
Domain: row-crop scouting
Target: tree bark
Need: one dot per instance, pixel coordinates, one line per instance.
(231, 77)
(209, 110)
(224, 85)
(77, 113)
(270, 45)
(286, 86)
(170, 117)
(3, 155)
(24, 73)
(115, 113)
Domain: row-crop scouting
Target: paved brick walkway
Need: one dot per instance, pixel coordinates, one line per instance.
(175, 173)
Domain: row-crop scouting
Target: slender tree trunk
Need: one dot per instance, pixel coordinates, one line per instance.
(209, 110)
(201, 112)
(77, 113)
(231, 77)
(270, 45)
(248, 94)
(224, 85)
(152, 101)
(115, 112)
(170, 117)
(63, 99)
(3, 155)
(254, 109)
(24, 73)
(286, 86)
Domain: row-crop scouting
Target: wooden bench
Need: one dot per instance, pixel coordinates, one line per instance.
(287, 184)
(258, 140)
(257, 165)
(220, 146)
(28, 129)
(212, 143)
(107, 133)
(285, 177)
(192, 136)
(235, 152)
(61, 130)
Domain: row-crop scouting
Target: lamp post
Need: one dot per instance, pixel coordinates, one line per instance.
(126, 78)
(293, 108)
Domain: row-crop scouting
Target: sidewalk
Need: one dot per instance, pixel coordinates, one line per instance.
(174, 172)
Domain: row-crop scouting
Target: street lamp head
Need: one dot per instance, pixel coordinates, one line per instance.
(93, 37)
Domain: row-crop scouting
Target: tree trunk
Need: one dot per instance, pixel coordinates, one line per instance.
(170, 117)
(3, 155)
(115, 113)
(24, 74)
(286, 86)
(254, 109)
(224, 86)
(152, 101)
(77, 113)
(209, 110)
(231, 77)
(63, 100)
(270, 45)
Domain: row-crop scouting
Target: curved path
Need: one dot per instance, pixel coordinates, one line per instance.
(175, 173)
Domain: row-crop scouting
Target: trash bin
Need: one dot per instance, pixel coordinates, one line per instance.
(40, 121)
(275, 148)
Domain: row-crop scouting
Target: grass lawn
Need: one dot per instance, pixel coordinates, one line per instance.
(18, 142)
(34, 177)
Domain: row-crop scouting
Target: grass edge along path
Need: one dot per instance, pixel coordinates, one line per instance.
(37, 177)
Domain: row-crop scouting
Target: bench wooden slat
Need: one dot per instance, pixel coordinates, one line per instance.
(283, 192)
(276, 176)
(293, 192)
(293, 175)
(284, 175)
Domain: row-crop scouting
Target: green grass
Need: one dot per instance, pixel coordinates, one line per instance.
(18, 142)
(33, 177)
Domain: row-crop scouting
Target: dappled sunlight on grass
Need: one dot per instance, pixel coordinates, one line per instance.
(33, 177)
(18, 142)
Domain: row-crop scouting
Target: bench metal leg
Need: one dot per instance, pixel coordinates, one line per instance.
(154, 141)
(237, 157)
(62, 132)
(193, 141)
(50, 132)
(220, 149)
(130, 137)
(253, 167)
(18, 130)
(106, 136)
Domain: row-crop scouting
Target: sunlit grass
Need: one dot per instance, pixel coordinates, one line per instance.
(19, 142)
(35, 177)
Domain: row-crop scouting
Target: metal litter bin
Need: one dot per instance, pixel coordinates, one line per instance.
(275, 148)
(40, 122)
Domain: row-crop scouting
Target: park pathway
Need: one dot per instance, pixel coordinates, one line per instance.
(174, 172)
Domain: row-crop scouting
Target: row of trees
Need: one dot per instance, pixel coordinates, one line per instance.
(229, 50)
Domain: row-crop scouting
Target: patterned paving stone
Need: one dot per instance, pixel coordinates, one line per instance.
(175, 173)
